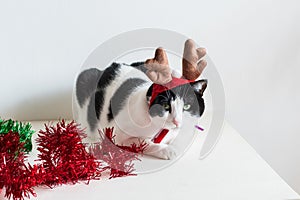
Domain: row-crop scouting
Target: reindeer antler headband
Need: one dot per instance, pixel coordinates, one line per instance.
(192, 66)
(159, 71)
(158, 67)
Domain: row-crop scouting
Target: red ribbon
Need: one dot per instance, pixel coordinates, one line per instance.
(160, 136)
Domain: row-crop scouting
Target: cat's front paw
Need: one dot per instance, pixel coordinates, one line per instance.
(162, 151)
(167, 153)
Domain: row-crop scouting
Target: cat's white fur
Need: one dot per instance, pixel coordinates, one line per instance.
(133, 123)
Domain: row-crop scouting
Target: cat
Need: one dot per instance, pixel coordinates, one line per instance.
(120, 97)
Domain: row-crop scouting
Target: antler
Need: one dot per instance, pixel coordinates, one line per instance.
(158, 69)
(191, 68)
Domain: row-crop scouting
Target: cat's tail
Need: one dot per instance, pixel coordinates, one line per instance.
(86, 84)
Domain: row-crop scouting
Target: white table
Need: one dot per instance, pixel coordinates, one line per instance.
(232, 171)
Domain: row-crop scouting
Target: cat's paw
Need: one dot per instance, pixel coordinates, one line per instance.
(162, 151)
(167, 153)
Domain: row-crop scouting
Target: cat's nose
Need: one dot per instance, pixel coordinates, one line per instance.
(175, 122)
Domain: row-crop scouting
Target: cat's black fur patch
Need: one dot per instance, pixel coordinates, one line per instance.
(149, 93)
(120, 96)
(108, 75)
(156, 108)
(86, 84)
(91, 113)
(140, 66)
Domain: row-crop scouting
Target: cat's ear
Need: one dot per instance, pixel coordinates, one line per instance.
(200, 86)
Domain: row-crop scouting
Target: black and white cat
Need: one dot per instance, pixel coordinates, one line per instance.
(119, 97)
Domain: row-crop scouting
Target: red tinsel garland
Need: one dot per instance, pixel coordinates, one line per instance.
(118, 158)
(16, 177)
(63, 156)
(62, 159)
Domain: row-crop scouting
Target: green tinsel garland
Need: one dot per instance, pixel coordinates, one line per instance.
(23, 129)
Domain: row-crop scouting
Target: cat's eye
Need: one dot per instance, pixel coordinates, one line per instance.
(186, 106)
(166, 106)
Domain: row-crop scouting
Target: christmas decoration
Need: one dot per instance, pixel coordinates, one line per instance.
(158, 69)
(160, 136)
(23, 129)
(192, 66)
(16, 177)
(63, 156)
(118, 158)
(157, 88)
(62, 159)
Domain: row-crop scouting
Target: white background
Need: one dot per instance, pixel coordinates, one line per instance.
(255, 46)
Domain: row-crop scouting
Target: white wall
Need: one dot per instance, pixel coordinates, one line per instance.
(255, 46)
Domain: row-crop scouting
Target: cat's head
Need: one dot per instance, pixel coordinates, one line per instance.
(169, 105)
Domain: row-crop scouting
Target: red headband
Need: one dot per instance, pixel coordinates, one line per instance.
(157, 89)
